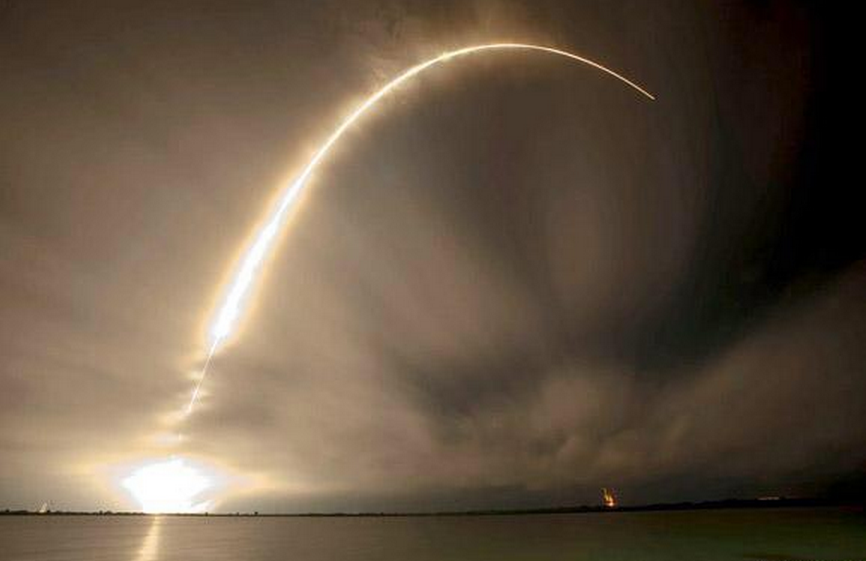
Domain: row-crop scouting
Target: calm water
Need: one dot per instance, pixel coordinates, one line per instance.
(772, 535)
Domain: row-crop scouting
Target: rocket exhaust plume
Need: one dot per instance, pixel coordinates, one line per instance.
(248, 269)
(202, 373)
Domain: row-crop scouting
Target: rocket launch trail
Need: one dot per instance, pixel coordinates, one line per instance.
(247, 271)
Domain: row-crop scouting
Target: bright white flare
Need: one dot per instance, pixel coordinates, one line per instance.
(170, 486)
(246, 272)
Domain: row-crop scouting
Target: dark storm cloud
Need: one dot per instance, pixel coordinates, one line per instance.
(516, 283)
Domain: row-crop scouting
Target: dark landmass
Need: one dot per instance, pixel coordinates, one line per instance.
(772, 502)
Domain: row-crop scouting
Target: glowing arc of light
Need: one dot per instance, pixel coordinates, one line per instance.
(246, 272)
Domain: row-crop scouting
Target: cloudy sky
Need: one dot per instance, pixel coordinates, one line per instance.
(513, 284)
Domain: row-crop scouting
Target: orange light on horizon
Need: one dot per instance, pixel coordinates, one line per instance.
(609, 497)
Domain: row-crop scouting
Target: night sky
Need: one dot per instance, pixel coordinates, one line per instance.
(516, 282)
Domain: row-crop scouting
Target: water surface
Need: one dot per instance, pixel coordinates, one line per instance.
(772, 535)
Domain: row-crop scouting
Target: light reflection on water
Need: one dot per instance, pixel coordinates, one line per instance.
(150, 546)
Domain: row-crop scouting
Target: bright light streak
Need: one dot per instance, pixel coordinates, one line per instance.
(170, 486)
(149, 550)
(247, 271)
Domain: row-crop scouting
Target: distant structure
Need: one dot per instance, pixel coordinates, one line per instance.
(609, 497)
(45, 508)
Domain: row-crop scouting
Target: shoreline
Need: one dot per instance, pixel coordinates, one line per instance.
(582, 509)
